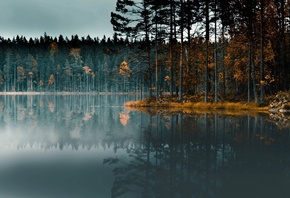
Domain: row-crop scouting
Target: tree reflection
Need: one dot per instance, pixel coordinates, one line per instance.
(62, 121)
(205, 155)
(168, 155)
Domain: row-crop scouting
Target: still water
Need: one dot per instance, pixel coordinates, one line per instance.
(91, 146)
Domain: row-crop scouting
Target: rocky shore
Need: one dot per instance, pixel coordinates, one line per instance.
(280, 103)
(280, 109)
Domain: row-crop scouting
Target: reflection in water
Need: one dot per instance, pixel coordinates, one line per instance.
(124, 118)
(53, 146)
(90, 146)
(205, 155)
(56, 121)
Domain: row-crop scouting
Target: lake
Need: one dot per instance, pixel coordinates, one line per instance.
(83, 146)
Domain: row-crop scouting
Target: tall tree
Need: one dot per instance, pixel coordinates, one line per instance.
(246, 19)
(181, 49)
(281, 72)
(8, 70)
(262, 29)
(207, 21)
(172, 39)
(133, 19)
(160, 23)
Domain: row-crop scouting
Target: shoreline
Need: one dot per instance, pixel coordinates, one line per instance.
(278, 103)
(11, 93)
(170, 105)
(197, 106)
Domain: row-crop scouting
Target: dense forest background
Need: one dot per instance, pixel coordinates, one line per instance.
(220, 50)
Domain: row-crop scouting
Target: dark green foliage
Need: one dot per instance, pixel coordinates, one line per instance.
(62, 64)
(232, 49)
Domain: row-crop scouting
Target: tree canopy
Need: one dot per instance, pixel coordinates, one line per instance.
(221, 50)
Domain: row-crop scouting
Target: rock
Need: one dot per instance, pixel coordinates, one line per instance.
(280, 119)
(280, 102)
(284, 111)
(273, 110)
(280, 109)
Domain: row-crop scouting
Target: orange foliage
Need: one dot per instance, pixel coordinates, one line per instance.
(41, 83)
(124, 69)
(124, 118)
(53, 47)
(75, 52)
(87, 69)
(51, 80)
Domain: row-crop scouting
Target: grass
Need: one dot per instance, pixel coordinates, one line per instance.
(210, 106)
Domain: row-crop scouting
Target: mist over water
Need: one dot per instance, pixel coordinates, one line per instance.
(91, 146)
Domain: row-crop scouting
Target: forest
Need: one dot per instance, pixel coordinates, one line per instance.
(220, 50)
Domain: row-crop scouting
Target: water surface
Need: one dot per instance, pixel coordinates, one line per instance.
(91, 146)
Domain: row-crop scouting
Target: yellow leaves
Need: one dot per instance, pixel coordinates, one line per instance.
(75, 52)
(124, 69)
(267, 80)
(269, 54)
(124, 118)
(167, 78)
(51, 80)
(211, 65)
(262, 82)
(41, 83)
(239, 75)
(53, 48)
(236, 76)
(221, 76)
(87, 69)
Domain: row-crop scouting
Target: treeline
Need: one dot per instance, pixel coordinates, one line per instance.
(63, 64)
(222, 49)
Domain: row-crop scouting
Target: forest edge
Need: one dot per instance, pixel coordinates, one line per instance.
(274, 104)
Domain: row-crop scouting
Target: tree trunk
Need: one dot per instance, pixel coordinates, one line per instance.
(249, 74)
(224, 68)
(171, 48)
(262, 91)
(215, 58)
(285, 81)
(188, 52)
(181, 55)
(156, 56)
(253, 75)
(207, 42)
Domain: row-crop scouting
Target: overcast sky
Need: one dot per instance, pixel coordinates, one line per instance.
(31, 18)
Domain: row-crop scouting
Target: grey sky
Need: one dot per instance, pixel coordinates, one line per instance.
(31, 18)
